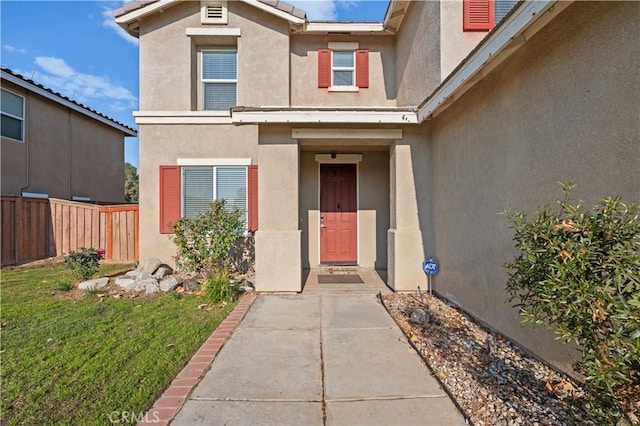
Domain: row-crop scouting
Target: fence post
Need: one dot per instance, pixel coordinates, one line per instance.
(18, 229)
(109, 250)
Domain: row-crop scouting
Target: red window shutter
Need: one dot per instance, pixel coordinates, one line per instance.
(478, 15)
(169, 197)
(362, 68)
(324, 68)
(252, 209)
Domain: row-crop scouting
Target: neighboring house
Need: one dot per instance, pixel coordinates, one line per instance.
(54, 146)
(379, 144)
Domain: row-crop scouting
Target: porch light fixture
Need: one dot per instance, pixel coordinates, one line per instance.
(333, 155)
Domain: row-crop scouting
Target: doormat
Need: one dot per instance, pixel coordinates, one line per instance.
(340, 279)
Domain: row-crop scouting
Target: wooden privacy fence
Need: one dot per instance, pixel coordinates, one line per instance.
(38, 228)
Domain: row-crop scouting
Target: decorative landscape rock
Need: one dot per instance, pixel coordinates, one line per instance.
(138, 275)
(419, 316)
(97, 283)
(149, 266)
(125, 282)
(170, 283)
(152, 288)
(162, 271)
(491, 378)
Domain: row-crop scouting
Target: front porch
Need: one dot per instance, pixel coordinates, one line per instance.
(344, 280)
(326, 199)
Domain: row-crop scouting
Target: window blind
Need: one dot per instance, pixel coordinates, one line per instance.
(197, 190)
(219, 76)
(219, 96)
(231, 184)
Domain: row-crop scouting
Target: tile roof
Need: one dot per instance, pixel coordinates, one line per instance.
(132, 131)
(277, 4)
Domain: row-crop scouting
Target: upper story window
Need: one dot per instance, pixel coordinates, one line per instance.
(213, 12)
(343, 66)
(12, 108)
(219, 79)
(483, 15)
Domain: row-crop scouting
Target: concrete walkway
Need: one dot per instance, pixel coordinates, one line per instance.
(317, 360)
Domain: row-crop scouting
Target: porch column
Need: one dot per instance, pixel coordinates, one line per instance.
(405, 244)
(278, 239)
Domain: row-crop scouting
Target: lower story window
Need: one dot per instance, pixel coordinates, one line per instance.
(202, 185)
(186, 191)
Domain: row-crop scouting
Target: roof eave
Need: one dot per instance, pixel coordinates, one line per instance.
(126, 130)
(518, 27)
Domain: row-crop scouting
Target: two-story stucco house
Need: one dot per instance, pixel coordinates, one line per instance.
(378, 144)
(54, 146)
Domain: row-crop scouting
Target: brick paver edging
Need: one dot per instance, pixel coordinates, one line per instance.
(174, 397)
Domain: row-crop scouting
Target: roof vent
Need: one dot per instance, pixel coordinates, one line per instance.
(214, 12)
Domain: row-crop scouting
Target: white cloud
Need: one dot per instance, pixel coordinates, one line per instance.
(10, 48)
(88, 89)
(317, 10)
(56, 66)
(108, 21)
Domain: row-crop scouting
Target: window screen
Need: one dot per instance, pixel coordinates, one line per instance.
(231, 184)
(202, 185)
(219, 78)
(12, 123)
(343, 68)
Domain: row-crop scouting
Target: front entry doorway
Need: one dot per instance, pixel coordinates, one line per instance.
(338, 214)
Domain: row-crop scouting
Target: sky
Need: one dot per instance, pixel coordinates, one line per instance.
(77, 49)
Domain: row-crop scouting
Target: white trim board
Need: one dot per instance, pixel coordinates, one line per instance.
(338, 159)
(318, 116)
(393, 134)
(217, 32)
(213, 162)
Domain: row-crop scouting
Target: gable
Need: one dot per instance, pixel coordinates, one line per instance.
(129, 15)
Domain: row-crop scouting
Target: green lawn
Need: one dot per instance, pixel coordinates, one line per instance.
(72, 358)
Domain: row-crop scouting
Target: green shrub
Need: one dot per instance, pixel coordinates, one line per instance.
(217, 288)
(64, 285)
(578, 273)
(203, 242)
(84, 263)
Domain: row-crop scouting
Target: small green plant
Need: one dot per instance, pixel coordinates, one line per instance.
(217, 287)
(84, 263)
(577, 272)
(64, 285)
(174, 295)
(203, 242)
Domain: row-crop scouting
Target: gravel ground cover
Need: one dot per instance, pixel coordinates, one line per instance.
(493, 380)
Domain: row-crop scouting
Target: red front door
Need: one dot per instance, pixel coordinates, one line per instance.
(338, 214)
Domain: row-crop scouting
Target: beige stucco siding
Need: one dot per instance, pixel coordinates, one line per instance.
(69, 154)
(417, 53)
(164, 145)
(563, 108)
(304, 72)
(373, 206)
(455, 43)
(169, 70)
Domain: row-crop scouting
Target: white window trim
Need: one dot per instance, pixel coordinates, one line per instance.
(203, 81)
(214, 162)
(344, 46)
(203, 12)
(353, 86)
(21, 119)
